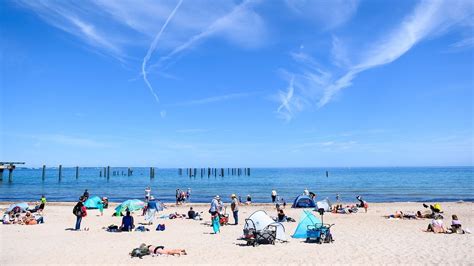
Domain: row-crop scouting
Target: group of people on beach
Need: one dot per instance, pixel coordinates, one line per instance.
(25, 216)
(182, 196)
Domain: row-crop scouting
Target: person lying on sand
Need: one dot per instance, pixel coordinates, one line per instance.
(401, 215)
(144, 250)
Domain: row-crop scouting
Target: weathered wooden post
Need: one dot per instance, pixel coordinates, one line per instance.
(10, 174)
(1, 174)
(60, 174)
(43, 172)
(108, 172)
(327, 174)
(77, 172)
(100, 173)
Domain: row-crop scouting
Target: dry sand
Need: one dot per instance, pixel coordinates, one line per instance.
(361, 238)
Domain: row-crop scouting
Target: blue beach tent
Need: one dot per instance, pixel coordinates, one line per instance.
(307, 218)
(303, 201)
(93, 202)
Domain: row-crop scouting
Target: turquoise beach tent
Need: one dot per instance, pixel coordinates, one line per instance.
(307, 218)
(131, 205)
(93, 202)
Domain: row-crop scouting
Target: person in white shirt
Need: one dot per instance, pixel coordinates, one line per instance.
(306, 192)
(274, 196)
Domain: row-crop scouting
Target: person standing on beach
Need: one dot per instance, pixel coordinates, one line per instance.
(274, 195)
(42, 203)
(235, 208)
(152, 208)
(79, 211)
(85, 196)
(147, 198)
(188, 194)
(178, 195)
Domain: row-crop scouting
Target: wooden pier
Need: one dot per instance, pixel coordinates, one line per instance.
(10, 166)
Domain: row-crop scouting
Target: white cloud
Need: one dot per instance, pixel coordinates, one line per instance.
(213, 99)
(329, 14)
(428, 19)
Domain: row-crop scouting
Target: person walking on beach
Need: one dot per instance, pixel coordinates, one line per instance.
(85, 196)
(188, 194)
(178, 195)
(42, 203)
(274, 195)
(234, 206)
(214, 205)
(79, 211)
(152, 209)
(147, 198)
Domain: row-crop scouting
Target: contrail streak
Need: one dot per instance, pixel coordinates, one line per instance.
(152, 49)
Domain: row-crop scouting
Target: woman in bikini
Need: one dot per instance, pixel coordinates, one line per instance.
(160, 250)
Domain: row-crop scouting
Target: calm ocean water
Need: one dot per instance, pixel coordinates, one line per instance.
(374, 184)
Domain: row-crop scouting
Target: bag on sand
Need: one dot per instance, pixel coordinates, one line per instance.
(140, 251)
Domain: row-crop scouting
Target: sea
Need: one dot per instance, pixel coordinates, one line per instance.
(374, 184)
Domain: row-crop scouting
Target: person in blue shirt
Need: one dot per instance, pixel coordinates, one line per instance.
(127, 222)
(151, 210)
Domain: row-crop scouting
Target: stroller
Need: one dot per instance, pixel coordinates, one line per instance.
(224, 217)
(256, 237)
(320, 233)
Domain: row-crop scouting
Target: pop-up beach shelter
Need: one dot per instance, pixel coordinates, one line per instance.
(22, 205)
(93, 202)
(260, 220)
(131, 205)
(307, 218)
(303, 201)
(324, 204)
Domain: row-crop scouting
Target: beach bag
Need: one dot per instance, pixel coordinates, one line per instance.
(161, 227)
(77, 211)
(84, 211)
(140, 251)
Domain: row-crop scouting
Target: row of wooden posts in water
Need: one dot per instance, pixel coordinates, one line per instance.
(193, 172)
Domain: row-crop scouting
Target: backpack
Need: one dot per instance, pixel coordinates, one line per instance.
(77, 211)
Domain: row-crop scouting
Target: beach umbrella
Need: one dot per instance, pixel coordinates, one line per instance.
(23, 206)
(131, 205)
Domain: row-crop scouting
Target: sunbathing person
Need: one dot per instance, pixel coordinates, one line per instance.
(127, 222)
(160, 250)
(397, 215)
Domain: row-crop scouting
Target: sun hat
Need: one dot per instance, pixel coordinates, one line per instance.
(217, 197)
(233, 196)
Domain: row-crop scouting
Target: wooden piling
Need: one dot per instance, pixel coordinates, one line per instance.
(108, 172)
(77, 172)
(60, 172)
(1, 174)
(43, 172)
(10, 174)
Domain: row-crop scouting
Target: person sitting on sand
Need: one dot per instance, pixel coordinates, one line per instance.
(127, 222)
(281, 216)
(456, 226)
(362, 203)
(9, 218)
(436, 226)
(191, 213)
(31, 220)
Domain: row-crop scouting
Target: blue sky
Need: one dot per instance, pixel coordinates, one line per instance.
(237, 83)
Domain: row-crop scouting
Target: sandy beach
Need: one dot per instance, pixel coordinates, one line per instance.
(360, 238)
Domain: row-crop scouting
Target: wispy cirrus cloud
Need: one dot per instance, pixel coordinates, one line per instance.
(318, 86)
(124, 29)
(329, 14)
(213, 99)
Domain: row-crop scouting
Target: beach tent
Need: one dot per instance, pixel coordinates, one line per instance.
(131, 205)
(324, 204)
(307, 218)
(261, 221)
(93, 202)
(23, 206)
(303, 201)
